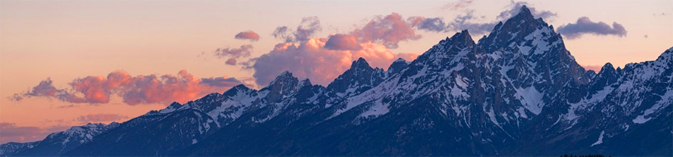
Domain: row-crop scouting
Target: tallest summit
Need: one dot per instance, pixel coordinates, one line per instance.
(525, 12)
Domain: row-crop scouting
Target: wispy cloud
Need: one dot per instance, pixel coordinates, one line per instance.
(467, 20)
(101, 118)
(306, 29)
(515, 7)
(460, 4)
(660, 14)
(243, 51)
(232, 54)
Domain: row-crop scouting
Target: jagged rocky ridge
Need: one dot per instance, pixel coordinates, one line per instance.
(518, 91)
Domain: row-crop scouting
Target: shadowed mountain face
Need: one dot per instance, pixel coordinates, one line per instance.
(518, 91)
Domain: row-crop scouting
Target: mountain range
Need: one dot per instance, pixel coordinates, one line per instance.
(517, 91)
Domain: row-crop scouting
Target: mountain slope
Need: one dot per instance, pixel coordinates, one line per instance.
(12, 148)
(518, 91)
(481, 95)
(618, 108)
(61, 142)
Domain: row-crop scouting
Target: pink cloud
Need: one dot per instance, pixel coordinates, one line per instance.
(310, 59)
(142, 89)
(94, 88)
(247, 35)
(388, 30)
(323, 59)
(165, 89)
(342, 42)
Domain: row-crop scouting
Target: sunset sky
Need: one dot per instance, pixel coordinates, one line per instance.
(71, 62)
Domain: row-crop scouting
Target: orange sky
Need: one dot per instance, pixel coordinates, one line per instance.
(66, 40)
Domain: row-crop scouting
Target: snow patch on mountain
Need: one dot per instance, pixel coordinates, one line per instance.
(379, 108)
(600, 139)
(234, 107)
(540, 41)
(582, 104)
(666, 100)
(369, 95)
(531, 99)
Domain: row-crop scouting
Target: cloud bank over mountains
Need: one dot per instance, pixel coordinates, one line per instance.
(321, 59)
(141, 89)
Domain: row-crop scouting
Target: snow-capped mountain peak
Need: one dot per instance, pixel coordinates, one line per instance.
(285, 79)
(397, 66)
(360, 77)
(360, 63)
(461, 39)
(284, 85)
